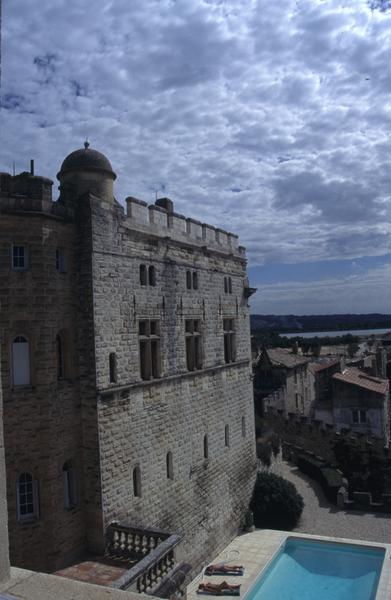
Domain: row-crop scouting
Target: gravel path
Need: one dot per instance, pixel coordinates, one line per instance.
(322, 518)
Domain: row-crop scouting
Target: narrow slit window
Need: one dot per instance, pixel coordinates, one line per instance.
(143, 275)
(68, 480)
(137, 482)
(206, 448)
(229, 285)
(152, 276)
(195, 280)
(188, 280)
(60, 357)
(243, 426)
(113, 367)
(169, 466)
(226, 436)
(226, 285)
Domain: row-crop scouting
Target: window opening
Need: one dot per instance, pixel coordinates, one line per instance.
(206, 449)
(20, 361)
(226, 436)
(137, 482)
(61, 264)
(169, 466)
(195, 280)
(188, 280)
(19, 258)
(229, 285)
(149, 344)
(27, 497)
(229, 340)
(143, 275)
(113, 367)
(60, 357)
(193, 344)
(68, 479)
(152, 276)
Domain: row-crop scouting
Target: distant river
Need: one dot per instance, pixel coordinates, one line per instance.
(358, 332)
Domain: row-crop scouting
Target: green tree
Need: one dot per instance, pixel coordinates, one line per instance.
(276, 504)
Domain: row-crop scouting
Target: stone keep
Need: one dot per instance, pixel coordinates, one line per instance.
(155, 427)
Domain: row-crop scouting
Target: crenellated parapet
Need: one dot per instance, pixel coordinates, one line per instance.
(160, 219)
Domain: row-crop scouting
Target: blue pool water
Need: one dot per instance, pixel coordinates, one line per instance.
(312, 570)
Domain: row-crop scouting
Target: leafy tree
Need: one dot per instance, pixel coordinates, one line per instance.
(276, 504)
(353, 349)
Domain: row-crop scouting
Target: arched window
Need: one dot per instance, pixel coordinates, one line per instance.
(60, 357)
(152, 275)
(68, 480)
(226, 285)
(27, 497)
(243, 426)
(137, 482)
(20, 361)
(229, 285)
(169, 466)
(188, 280)
(206, 449)
(195, 280)
(113, 367)
(143, 275)
(226, 435)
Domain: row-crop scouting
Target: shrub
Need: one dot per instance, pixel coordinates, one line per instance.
(275, 503)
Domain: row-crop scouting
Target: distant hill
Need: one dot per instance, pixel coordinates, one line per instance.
(303, 323)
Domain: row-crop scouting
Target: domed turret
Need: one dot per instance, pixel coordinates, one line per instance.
(87, 170)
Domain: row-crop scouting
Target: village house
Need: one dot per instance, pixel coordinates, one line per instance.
(361, 403)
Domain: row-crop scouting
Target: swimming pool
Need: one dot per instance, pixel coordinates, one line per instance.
(305, 569)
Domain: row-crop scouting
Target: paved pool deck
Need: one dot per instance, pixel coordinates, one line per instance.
(254, 551)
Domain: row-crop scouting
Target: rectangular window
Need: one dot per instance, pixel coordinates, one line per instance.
(193, 339)
(229, 340)
(19, 258)
(61, 263)
(359, 416)
(149, 343)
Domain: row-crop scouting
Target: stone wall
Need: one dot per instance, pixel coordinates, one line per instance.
(318, 437)
(41, 421)
(141, 421)
(4, 553)
(106, 428)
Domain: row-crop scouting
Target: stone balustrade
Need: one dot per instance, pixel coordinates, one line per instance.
(154, 550)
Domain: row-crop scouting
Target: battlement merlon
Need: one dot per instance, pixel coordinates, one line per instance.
(160, 219)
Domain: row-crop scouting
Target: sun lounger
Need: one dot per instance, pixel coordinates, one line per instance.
(219, 589)
(224, 569)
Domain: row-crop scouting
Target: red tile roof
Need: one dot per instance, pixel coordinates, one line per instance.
(320, 366)
(356, 377)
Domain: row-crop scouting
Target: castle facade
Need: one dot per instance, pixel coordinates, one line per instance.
(125, 368)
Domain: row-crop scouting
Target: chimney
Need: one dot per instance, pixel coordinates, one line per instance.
(31, 167)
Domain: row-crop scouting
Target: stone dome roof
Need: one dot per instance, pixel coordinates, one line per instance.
(86, 159)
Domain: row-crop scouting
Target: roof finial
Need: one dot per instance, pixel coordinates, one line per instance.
(86, 144)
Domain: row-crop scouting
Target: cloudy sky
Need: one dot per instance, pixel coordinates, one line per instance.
(270, 119)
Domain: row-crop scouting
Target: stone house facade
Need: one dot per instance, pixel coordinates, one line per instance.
(361, 403)
(125, 367)
(283, 382)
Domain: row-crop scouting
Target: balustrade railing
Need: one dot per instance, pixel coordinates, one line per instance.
(152, 548)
